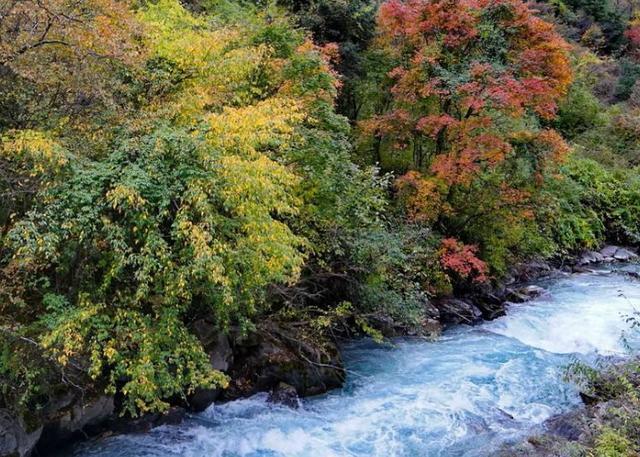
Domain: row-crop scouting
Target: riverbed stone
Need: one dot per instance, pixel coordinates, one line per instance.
(609, 251)
(217, 345)
(284, 394)
(624, 255)
(458, 311)
(590, 257)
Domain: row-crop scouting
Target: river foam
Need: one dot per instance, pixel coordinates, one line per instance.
(463, 395)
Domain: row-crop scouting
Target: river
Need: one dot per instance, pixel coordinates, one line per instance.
(466, 394)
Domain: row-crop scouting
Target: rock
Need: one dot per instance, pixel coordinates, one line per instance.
(624, 255)
(216, 345)
(275, 354)
(15, 439)
(590, 257)
(532, 291)
(609, 251)
(491, 306)
(83, 418)
(581, 269)
(569, 426)
(514, 296)
(146, 422)
(458, 311)
(285, 394)
(529, 271)
(201, 399)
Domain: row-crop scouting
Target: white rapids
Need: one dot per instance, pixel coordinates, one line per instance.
(467, 394)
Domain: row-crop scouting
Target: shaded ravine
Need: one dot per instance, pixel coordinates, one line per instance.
(467, 394)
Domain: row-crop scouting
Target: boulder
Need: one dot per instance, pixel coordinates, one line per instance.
(85, 417)
(590, 257)
(529, 271)
(275, 354)
(612, 253)
(624, 255)
(569, 426)
(532, 291)
(146, 422)
(458, 311)
(285, 394)
(515, 296)
(609, 251)
(216, 344)
(15, 438)
(490, 305)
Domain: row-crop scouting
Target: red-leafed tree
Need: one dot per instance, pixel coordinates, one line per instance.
(461, 65)
(473, 87)
(465, 67)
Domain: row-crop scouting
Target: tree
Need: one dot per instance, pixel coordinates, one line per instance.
(473, 88)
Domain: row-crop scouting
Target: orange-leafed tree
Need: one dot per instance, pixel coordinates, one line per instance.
(473, 87)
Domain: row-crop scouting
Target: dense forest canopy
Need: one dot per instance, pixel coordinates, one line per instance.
(330, 162)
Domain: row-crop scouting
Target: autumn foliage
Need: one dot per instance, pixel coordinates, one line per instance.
(461, 260)
(471, 78)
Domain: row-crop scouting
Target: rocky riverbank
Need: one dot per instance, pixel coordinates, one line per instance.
(276, 358)
(608, 425)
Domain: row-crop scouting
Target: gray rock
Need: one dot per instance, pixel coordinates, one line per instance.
(491, 305)
(609, 251)
(274, 354)
(590, 257)
(215, 343)
(76, 421)
(624, 255)
(285, 394)
(201, 399)
(146, 422)
(569, 426)
(532, 291)
(457, 311)
(15, 439)
(514, 296)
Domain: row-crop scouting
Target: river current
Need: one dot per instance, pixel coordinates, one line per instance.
(466, 394)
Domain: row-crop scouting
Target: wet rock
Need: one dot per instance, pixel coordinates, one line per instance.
(458, 311)
(285, 394)
(581, 269)
(529, 271)
(146, 422)
(613, 253)
(609, 251)
(515, 296)
(201, 399)
(85, 417)
(532, 291)
(590, 257)
(568, 426)
(491, 305)
(276, 354)
(15, 438)
(215, 343)
(624, 255)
